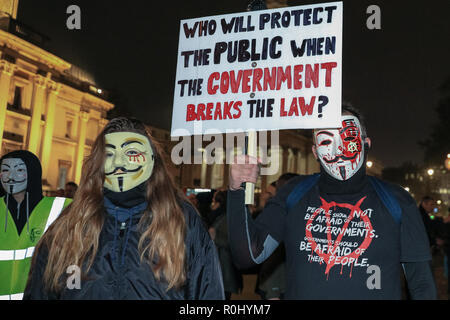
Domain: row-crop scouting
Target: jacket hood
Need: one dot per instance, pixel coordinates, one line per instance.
(34, 171)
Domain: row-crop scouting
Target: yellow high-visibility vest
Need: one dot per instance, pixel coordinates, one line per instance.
(17, 249)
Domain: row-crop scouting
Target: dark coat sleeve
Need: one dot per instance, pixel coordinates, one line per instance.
(253, 240)
(247, 239)
(420, 280)
(415, 248)
(204, 276)
(221, 227)
(414, 244)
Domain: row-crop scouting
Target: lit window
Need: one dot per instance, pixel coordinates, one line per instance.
(68, 129)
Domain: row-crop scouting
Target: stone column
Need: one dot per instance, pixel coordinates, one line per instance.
(295, 152)
(209, 175)
(203, 171)
(217, 169)
(39, 85)
(102, 122)
(226, 173)
(54, 89)
(6, 71)
(84, 117)
(285, 153)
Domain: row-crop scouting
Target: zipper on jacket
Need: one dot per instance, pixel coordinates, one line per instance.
(122, 232)
(123, 226)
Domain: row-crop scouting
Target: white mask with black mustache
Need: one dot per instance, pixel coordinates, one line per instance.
(14, 175)
(341, 151)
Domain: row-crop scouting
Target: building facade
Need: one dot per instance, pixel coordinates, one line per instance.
(290, 151)
(47, 106)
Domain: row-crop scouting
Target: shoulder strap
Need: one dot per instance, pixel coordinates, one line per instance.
(301, 189)
(387, 198)
(57, 206)
(381, 188)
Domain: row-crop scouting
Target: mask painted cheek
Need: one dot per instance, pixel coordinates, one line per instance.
(108, 181)
(109, 166)
(138, 158)
(352, 147)
(324, 150)
(22, 175)
(327, 154)
(137, 175)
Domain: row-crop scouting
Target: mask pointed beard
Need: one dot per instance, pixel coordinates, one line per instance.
(120, 181)
(342, 172)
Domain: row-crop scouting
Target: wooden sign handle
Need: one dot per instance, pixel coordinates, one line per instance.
(251, 151)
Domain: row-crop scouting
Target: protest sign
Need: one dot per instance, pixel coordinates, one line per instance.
(260, 70)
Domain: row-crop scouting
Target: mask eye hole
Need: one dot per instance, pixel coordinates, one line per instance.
(131, 153)
(349, 139)
(325, 142)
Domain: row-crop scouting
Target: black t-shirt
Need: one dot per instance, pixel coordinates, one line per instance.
(341, 241)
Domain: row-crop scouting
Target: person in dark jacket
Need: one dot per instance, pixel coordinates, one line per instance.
(217, 207)
(447, 250)
(426, 207)
(343, 239)
(271, 282)
(129, 233)
(232, 278)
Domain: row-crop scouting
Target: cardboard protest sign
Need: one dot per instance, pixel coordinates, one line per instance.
(260, 70)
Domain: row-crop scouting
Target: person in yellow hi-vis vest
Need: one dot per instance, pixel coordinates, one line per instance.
(25, 214)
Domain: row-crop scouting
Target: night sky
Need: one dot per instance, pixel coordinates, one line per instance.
(392, 74)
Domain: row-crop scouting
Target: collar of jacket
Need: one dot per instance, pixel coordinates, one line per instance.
(120, 213)
(355, 184)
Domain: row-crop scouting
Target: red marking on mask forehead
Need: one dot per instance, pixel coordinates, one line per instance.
(350, 129)
(349, 125)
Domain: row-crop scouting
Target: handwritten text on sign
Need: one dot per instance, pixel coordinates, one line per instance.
(261, 70)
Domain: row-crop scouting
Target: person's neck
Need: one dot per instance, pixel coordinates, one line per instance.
(19, 196)
(331, 185)
(129, 198)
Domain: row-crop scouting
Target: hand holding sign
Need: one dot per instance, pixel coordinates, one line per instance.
(245, 168)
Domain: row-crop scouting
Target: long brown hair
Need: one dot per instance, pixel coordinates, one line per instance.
(74, 237)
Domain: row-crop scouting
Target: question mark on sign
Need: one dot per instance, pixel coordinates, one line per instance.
(323, 101)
